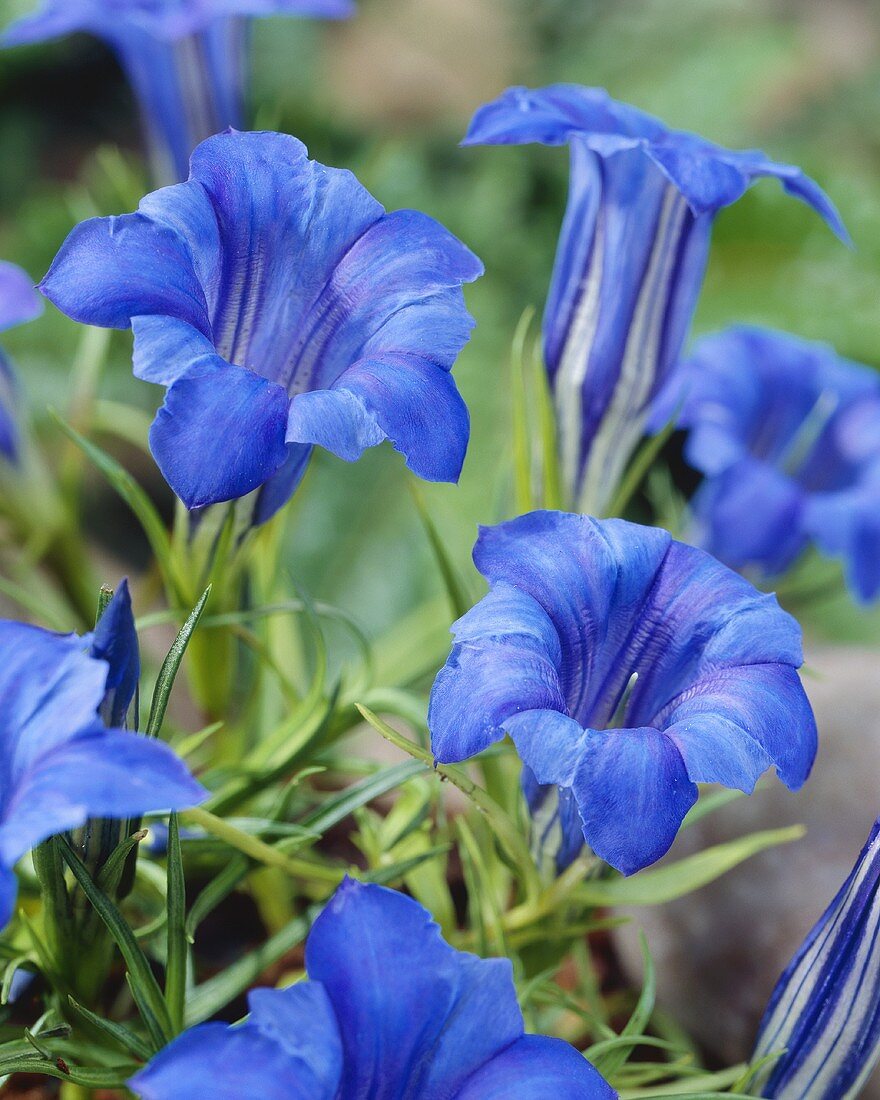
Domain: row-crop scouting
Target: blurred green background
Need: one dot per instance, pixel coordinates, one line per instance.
(389, 95)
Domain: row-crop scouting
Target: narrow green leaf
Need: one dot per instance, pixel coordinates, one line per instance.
(170, 665)
(258, 850)
(340, 806)
(708, 803)
(638, 468)
(610, 1061)
(505, 830)
(459, 597)
(111, 873)
(137, 500)
(552, 479)
(215, 892)
(157, 1032)
(212, 995)
(101, 1078)
(177, 949)
(674, 880)
(522, 456)
(118, 1033)
(144, 984)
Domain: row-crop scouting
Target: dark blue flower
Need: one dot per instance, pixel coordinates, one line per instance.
(186, 60)
(788, 436)
(390, 1011)
(19, 302)
(282, 307)
(825, 1010)
(60, 764)
(630, 260)
(627, 667)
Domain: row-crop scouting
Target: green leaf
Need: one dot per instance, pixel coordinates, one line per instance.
(111, 873)
(101, 1078)
(117, 1033)
(674, 880)
(508, 836)
(459, 597)
(610, 1061)
(708, 803)
(339, 806)
(137, 500)
(640, 465)
(144, 986)
(522, 456)
(213, 894)
(212, 995)
(552, 480)
(177, 947)
(170, 666)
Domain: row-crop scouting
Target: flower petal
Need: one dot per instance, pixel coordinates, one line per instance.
(112, 269)
(412, 1011)
(633, 791)
(707, 175)
(227, 1064)
(19, 301)
(751, 514)
(166, 349)
(220, 434)
(115, 641)
(102, 773)
(534, 1068)
(848, 523)
(301, 1021)
(406, 400)
(504, 661)
(631, 785)
(50, 688)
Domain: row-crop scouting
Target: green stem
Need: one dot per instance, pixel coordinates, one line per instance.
(258, 850)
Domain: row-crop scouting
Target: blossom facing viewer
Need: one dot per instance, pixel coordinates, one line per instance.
(186, 60)
(19, 302)
(630, 260)
(283, 308)
(825, 1010)
(389, 1010)
(787, 434)
(627, 667)
(62, 765)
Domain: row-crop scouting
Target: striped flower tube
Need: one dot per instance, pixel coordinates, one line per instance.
(825, 1010)
(186, 60)
(630, 261)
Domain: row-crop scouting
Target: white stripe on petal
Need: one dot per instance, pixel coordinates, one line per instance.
(624, 420)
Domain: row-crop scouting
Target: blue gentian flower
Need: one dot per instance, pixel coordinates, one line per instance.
(186, 60)
(282, 307)
(630, 259)
(61, 764)
(788, 436)
(627, 667)
(390, 1011)
(825, 1010)
(19, 302)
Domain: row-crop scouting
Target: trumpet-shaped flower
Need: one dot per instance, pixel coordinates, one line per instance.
(282, 307)
(788, 436)
(627, 667)
(824, 1013)
(630, 260)
(389, 1011)
(19, 302)
(61, 764)
(186, 60)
